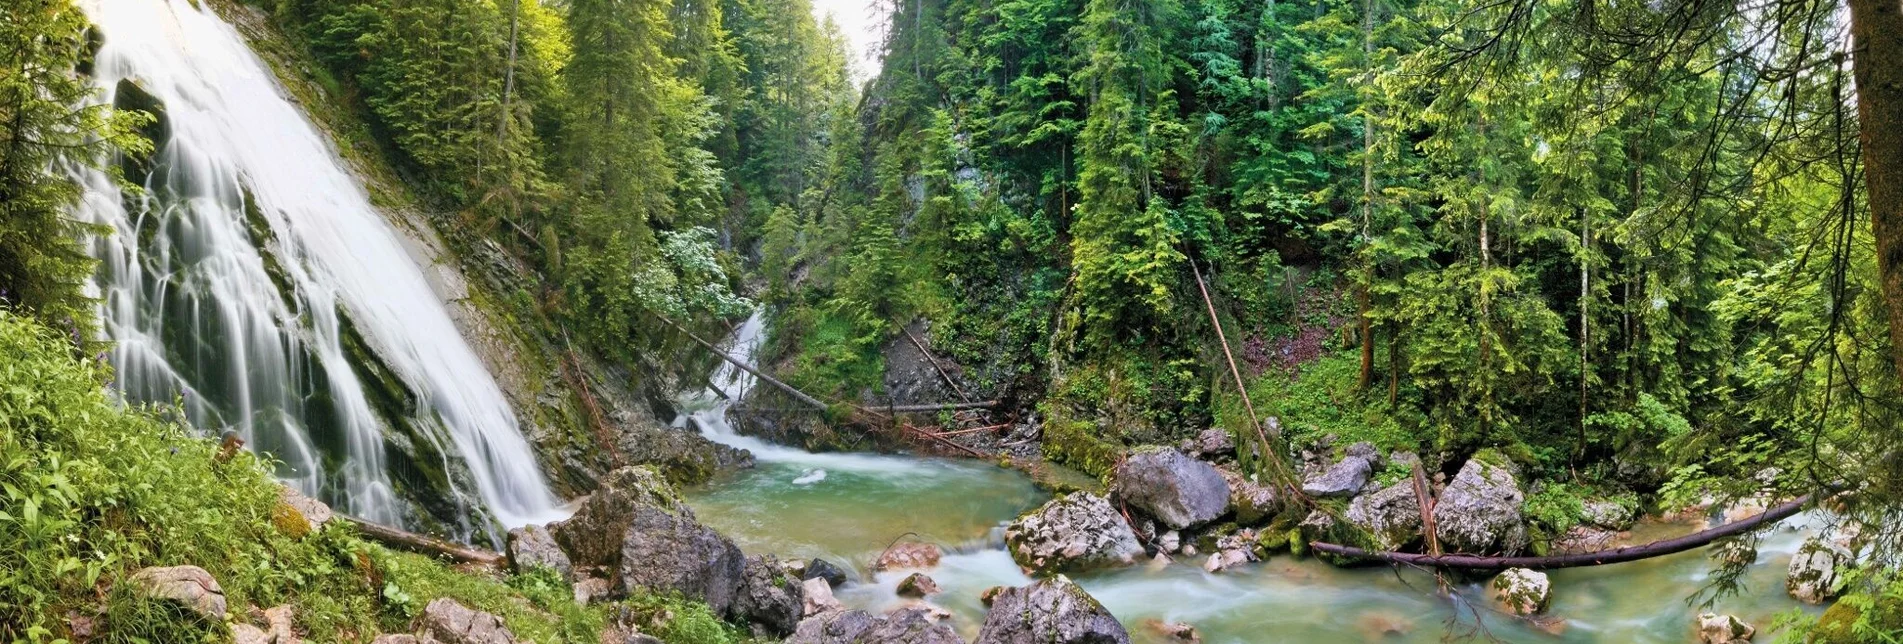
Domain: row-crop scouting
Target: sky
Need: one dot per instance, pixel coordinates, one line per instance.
(863, 24)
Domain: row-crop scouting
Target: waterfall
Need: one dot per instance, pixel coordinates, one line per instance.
(252, 279)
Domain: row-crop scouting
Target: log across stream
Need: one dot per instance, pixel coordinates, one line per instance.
(848, 507)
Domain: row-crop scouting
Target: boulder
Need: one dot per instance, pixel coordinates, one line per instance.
(1479, 512)
(533, 546)
(1391, 516)
(1179, 491)
(1812, 577)
(917, 585)
(1582, 539)
(1051, 611)
(768, 597)
(1252, 501)
(1723, 629)
(590, 589)
(903, 626)
(314, 512)
(188, 586)
(1522, 591)
(396, 638)
(911, 555)
(636, 526)
(817, 597)
(449, 622)
(1343, 479)
(823, 569)
(1074, 532)
(1608, 514)
(1210, 443)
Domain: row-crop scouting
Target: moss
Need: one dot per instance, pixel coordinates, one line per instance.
(1858, 618)
(1073, 443)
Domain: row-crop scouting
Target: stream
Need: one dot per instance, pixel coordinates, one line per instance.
(847, 508)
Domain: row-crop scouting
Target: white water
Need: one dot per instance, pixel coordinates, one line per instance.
(194, 312)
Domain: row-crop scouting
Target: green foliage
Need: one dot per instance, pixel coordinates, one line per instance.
(48, 119)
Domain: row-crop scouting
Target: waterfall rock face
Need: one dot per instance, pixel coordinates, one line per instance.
(1052, 611)
(253, 279)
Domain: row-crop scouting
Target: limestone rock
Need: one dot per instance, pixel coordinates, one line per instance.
(1074, 532)
(1583, 538)
(1608, 515)
(1173, 631)
(1179, 491)
(189, 586)
(903, 626)
(910, 555)
(817, 597)
(1522, 591)
(768, 597)
(637, 526)
(917, 585)
(1343, 479)
(1814, 570)
(450, 622)
(1252, 501)
(1479, 512)
(532, 546)
(1723, 629)
(1392, 515)
(314, 512)
(590, 589)
(1051, 611)
(1210, 443)
(593, 536)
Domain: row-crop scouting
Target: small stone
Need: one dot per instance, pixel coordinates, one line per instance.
(450, 622)
(911, 555)
(917, 585)
(1211, 442)
(1522, 591)
(823, 569)
(1723, 629)
(189, 586)
(1169, 542)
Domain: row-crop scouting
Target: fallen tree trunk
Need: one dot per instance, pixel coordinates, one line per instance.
(982, 404)
(1615, 555)
(424, 544)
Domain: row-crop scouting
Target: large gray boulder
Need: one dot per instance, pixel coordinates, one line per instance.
(1070, 533)
(1052, 611)
(637, 527)
(769, 597)
(1179, 491)
(1391, 516)
(1347, 476)
(903, 626)
(188, 586)
(534, 547)
(1479, 512)
(1812, 577)
(446, 621)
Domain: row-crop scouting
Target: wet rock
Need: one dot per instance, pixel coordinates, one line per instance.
(1231, 550)
(1812, 577)
(1479, 512)
(1391, 516)
(1522, 591)
(823, 569)
(1343, 479)
(903, 626)
(1253, 502)
(917, 585)
(1173, 631)
(636, 525)
(768, 597)
(450, 622)
(910, 555)
(817, 597)
(1723, 629)
(1169, 542)
(1074, 532)
(1179, 491)
(533, 546)
(1609, 515)
(1051, 611)
(832, 627)
(1583, 538)
(188, 586)
(1210, 443)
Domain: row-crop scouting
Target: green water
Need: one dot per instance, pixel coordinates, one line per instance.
(865, 502)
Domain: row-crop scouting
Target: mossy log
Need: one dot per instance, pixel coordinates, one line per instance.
(424, 544)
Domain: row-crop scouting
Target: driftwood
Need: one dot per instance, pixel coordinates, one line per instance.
(1615, 555)
(424, 544)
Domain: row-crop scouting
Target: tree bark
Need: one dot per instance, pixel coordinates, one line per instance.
(1367, 202)
(1876, 32)
(1615, 555)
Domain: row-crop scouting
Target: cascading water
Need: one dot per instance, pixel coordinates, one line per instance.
(253, 279)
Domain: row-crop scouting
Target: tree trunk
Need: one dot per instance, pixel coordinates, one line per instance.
(1585, 321)
(1876, 31)
(1367, 201)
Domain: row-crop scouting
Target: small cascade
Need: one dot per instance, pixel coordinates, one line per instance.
(252, 279)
